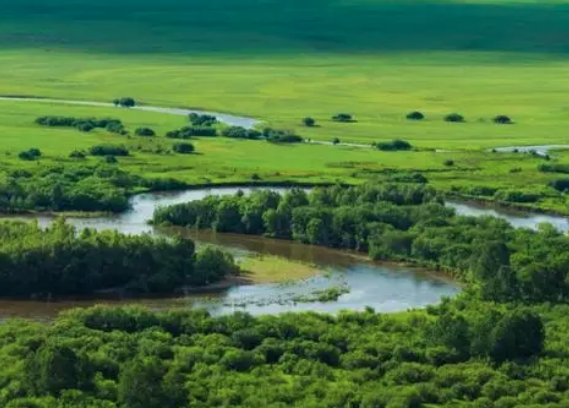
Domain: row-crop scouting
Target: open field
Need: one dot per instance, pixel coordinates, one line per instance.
(375, 59)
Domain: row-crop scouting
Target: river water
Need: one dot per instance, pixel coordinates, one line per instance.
(384, 287)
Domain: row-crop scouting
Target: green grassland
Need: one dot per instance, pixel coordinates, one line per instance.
(282, 61)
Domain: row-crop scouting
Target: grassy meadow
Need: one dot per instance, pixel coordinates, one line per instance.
(282, 61)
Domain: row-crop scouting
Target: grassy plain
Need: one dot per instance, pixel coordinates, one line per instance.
(280, 61)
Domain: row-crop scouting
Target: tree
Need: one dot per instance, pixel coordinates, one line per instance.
(454, 118)
(140, 384)
(449, 162)
(30, 154)
(342, 117)
(503, 120)
(335, 141)
(126, 102)
(52, 369)
(308, 122)
(144, 131)
(519, 334)
(183, 148)
(415, 116)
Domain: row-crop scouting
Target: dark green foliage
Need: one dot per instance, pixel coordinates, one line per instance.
(111, 160)
(394, 145)
(183, 148)
(125, 102)
(202, 120)
(449, 162)
(77, 154)
(108, 150)
(560, 184)
(238, 132)
(144, 131)
(502, 120)
(415, 115)
(83, 124)
(454, 118)
(518, 335)
(402, 177)
(60, 261)
(188, 132)
(554, 168)
(30, 154)
(517, 196)
(281, 136)
(308, 122)
(335, 141)
(343, 117)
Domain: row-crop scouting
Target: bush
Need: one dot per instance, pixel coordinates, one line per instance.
(281, 136)
(560, 184)
(125, 102)
(308, 122)
(77, 154)
(183, 148)
(449, 162)
(85, 127)
(108, 150)
(335, 141)
(342, 117)
(554, 168)
(454, 118)
(238, 132)
(30, 154)
(202, 120)
(394, 145)
(144, 131)
(502, 120)
(111, 160)
(415, 116)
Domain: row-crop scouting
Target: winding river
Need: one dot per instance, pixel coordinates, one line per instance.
(384, 287)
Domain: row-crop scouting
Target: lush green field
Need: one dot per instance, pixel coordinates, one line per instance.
(222, 160)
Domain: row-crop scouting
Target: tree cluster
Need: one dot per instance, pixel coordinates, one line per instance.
(202, 119)
(391, 222)
(108, 150)
(83, 124)
(188, 132)
(394, 145)
(62, 261)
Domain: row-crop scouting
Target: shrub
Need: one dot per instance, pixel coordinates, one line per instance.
(238, 132)
(409, 178)
(111, 160)
(517, 196)
(116, 127)
(255, 177)
(283, 136)
(85, 126)
(560, 184)
(335, 141)
(202, 120)
(30, 154)
(183, 148)
(77, 154)
(125, 102)
(342, 117)
(449, 162)
(108, 150)
(144, 131)
(454, 118)
(415, 116)
(553, 168)
(503, 120)
(394, 145)
(308, 122)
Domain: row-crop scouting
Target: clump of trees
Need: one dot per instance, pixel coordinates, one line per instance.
(183, 148)
(454, 118)
(30, 154)
(281, 136)
(202, 119)
(76, 263)
(83, 124)
(343, 117)
(188, 132)
(335, 141)
(415, 115)
(145, 131)
(394, 145)
(77, 154)
(553, 168)
(108, 150)
(125, 102)
(238, 132)
(308, 122)
(449, 162)
(503, 120)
